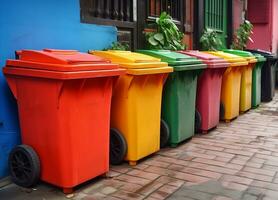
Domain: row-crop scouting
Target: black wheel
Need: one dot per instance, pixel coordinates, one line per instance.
(198, 121)
(118, 147)
(24, 166)
(222, 111)
(164, 134)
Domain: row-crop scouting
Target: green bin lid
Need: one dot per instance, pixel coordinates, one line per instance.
(239, 52)
(268, 55)
(179, 61)
(249, 56)
(259, 57)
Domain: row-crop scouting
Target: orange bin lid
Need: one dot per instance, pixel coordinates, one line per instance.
(60, 60)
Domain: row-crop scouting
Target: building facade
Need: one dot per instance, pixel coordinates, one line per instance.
(263, 14)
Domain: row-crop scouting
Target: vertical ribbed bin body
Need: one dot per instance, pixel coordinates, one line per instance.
(246, 79)
(268, 75)
(209, 88)
(64, 100)
(179, 95)
(231, 84)
(136, 103)
(256, 80)
(178, 107)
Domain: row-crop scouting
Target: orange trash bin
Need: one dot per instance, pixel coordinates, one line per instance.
(64, 100)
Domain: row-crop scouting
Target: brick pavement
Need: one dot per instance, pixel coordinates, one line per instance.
(238, 160)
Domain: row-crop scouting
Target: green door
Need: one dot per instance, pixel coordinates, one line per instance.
(216, 17)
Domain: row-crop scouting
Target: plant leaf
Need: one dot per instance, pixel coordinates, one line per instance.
(159, 36)
(167, 34)
(152, 41)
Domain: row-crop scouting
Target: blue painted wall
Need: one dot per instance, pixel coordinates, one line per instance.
(38, 24)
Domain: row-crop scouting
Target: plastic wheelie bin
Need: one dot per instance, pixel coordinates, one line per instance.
(246, 79)
(209, 89)
(231, 83)
(136, 105)
(179, 95)
(256, 80)
(268, 75)
(64, 100)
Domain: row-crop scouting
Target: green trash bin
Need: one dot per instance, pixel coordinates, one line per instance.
(179, 95)
(256, 80)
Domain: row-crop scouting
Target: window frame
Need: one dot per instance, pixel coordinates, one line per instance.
(144, 18)
(85, 11)
(86, 16)
(136, 27)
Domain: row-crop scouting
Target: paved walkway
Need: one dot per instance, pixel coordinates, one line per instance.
(236, 161)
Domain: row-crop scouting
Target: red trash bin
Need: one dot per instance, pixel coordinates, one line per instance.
(64, 102)
(209, 89)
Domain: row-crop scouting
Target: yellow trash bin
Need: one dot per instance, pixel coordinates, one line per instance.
(136, 105)
(246, 79)
(231, 85)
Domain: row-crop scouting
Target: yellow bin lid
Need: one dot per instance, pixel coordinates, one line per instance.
(135, 63)
(251, 59)
(231, 58)
(128, 59)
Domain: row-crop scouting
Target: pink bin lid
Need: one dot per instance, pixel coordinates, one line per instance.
(211, 60)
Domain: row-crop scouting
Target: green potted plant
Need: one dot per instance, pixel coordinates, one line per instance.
(164, 35)
(210, 40)
(242, 36)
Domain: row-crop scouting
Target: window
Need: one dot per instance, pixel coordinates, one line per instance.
(107, 11)
(215, 17)
(130, 16)
(119, 13)
(215, 12)
(149, 10)
(173, 7)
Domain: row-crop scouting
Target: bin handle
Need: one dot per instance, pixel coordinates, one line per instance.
(1, 123)
(82, 85)
(129, 82)
(107, 84)
(161, 79)
(145, 79)
(83, 82)
(60, 91)
(228, 70)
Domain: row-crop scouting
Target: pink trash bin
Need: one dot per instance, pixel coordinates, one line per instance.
(209, 89)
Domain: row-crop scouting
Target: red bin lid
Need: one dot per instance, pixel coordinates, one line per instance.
(60, 60)
(211, 60)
